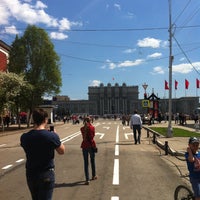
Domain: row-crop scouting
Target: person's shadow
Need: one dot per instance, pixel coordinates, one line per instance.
(58, 185)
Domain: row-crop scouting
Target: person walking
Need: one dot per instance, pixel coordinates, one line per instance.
(136, 125)
(39, 145)
(193, 163)
(87, 145)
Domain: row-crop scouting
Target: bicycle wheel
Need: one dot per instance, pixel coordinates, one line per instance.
(183, 193)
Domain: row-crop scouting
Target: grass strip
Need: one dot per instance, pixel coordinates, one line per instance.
(177, 132)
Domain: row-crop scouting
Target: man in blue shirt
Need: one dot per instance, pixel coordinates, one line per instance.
(136, 125)
(193, 163)
(39, 145)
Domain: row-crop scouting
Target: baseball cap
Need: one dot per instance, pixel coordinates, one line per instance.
(193, 140)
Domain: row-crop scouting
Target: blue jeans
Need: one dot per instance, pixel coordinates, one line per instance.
(86, 153)
(41, 185)
(137, 129)
(195, 186)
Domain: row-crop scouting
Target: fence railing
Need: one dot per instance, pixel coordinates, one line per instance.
(155, 139)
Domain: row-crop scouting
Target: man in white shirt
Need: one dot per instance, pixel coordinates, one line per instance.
(136, 125)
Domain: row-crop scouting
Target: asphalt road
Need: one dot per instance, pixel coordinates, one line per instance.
(125, 171)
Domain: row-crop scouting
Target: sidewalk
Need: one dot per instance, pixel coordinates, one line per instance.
(14, 128)
(176, 144)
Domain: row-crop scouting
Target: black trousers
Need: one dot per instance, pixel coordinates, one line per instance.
(137, 133)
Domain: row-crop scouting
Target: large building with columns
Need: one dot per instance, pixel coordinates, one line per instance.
(114, 99)
(119, 99)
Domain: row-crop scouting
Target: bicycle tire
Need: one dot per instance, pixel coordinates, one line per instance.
(183, 193)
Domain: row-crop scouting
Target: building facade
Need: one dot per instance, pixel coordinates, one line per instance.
(113, 99)
(119, 99)
(185, 105)
(4, 55)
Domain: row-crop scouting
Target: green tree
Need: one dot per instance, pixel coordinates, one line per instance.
(33, 55)
(12, 86)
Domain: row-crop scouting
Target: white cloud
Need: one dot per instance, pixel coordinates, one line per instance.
(39, 4)
(158, 70)
(112, 65)
(182, 59)
(64, 24)
(149, 42)
(95, 83)
(155, 55)
(117, 6)
(130, 15)
(129, 50)
(4, 15)
(185, 68)
(29, 13)
(165, 44)
(58, 36)
(129, 63)
(11, 30)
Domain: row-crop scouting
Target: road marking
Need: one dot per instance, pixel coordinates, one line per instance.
(126, 135)
(20, 160)
(124, 127)
(114, 198)
(116, 150)
(117, 135)
(70, 137)
(101, 135)
(116, 172)
(107, 127)
(7, 167)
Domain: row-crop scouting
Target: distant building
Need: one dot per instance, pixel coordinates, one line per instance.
(4, 56)
(119, 99)
(63, 98)
(114, 99)
(185, 105)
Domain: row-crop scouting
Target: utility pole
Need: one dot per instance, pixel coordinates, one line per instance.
(170, 129)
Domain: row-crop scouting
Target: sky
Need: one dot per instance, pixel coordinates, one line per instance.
(115, 41)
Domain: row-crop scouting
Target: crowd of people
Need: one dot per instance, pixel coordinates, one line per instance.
(40, 143)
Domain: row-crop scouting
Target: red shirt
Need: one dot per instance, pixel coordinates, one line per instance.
(88, 134)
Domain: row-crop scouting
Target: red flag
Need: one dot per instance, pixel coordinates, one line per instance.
(176, 85)
(166, 85)
(198, 83)
(186, 84)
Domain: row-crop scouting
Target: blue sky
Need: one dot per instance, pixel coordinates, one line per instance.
(114, 41)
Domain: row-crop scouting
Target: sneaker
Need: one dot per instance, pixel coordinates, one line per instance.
(87, 182)
(94, 177)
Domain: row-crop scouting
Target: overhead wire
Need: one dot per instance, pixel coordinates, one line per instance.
(176, 19)
(186, 56)
(184, 25)
(117, 62)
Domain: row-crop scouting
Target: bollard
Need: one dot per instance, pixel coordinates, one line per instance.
(166, 147)
(154, 138)
(147, 133)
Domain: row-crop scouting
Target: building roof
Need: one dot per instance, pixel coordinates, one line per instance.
(4, 45)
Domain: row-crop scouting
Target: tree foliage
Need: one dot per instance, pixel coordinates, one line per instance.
(33, 55)
(12, 85)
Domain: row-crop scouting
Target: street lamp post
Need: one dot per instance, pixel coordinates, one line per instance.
(145, 88)
(170, 129)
